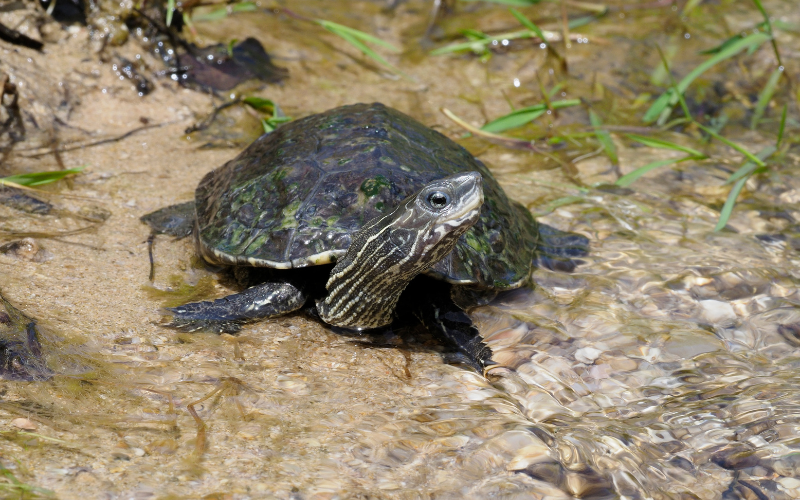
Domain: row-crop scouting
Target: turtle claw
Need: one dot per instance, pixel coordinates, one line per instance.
(488, 365)
(200, 325)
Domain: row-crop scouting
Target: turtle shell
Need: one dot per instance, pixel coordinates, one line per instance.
(295, 196)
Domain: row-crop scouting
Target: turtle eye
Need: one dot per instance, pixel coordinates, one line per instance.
(438, 200)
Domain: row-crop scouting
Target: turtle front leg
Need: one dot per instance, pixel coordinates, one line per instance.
(435, 309)
(227, 314)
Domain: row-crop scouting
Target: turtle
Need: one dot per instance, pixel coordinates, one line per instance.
(365, 217)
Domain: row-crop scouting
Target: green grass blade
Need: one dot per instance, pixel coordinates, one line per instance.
(727, 209)
(223, 12)
(730, 41)
(212, 15)
(243, 7)
(749, 166)
(629, 178)
(477, 45)
(275, 121)
(516, 3)
(523, 116)
(556, 89)
(514, 120)
(170, 11)
(597, 8)
(347, 36)
(458, 47)
(782, 25)
(604, 137)
(528, 23)
(581, 21)
(259, 103)
(366, 50)
(751, 41)
(660, 143)
(664, 103)
(560, 202)
(765, 96)
(768, 23)
(691, 4)
(782, 127)
(339, 29)
(475, 34)
(39, 178)
(724, 45)
(750, 156)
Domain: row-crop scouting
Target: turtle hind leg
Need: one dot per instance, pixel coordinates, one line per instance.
(226, 315)
(174, 220)
(560, 250)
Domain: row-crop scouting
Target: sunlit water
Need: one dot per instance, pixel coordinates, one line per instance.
(666, 366)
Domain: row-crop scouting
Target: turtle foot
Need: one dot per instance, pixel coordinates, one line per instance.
(200, 325)
(174, 220)
(560, 250)
(228, 314)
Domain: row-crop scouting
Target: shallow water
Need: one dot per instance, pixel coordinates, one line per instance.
(664, 367)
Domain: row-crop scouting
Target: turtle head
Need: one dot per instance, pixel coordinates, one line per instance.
(390, 250)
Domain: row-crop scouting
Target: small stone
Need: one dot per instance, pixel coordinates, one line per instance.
(735, 457)
(251, 431)
(24, 249)
(292, 384)
(529, 455)
(549, 472)
(138, 452)
(310, 442)
(790, 483)
(597, 169)
(623, 364)
(86, 480)
(587, 355)
(94, 213)
(790, 333)
(586, 482)
(715, 311)
(651, 354)
(23, 423)
(787, 466)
